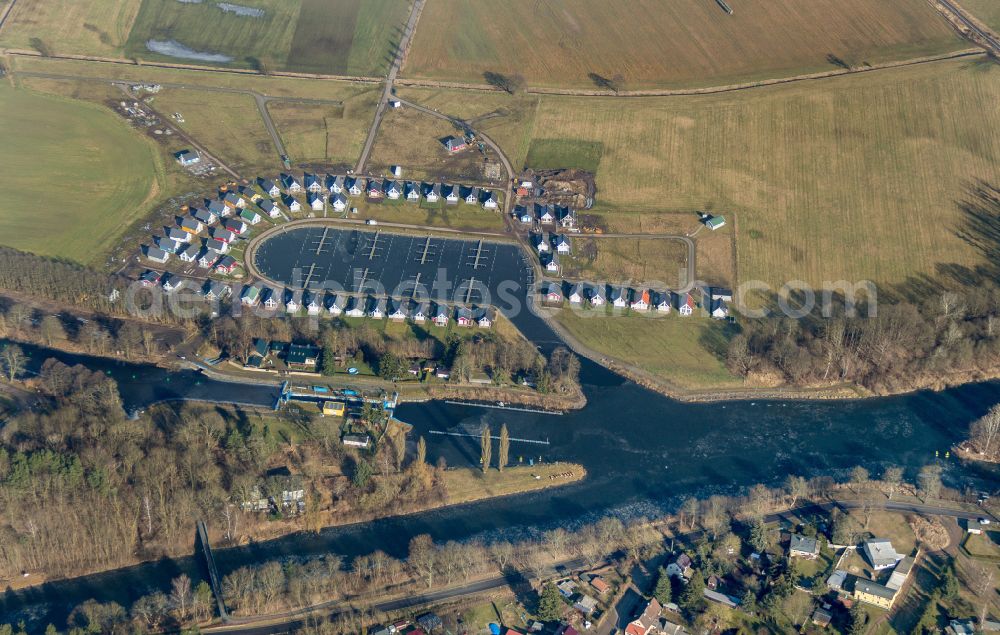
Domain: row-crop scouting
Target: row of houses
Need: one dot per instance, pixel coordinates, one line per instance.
(715, 300)
(882, 556)
(223, 220)
(337, 304)
(169, 282)
(559, 215)
(339, 187)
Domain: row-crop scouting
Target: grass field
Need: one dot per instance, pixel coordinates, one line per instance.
(461, 216)
(465, 485)
(628, 260)
(687, 352)
(229, 126)
(348, 37)
(325, 133)
(545, 154)
(413, 140)
(986, 10)
(70, 26)
(75, 175)
(680, 43)
(204, 27)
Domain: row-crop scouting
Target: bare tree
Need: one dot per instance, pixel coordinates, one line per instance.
(859, 478)
(13, 361)
(929, 480)
(985, 432)
(892, 478)
(423, 558)
(180, 596)
(797, 487)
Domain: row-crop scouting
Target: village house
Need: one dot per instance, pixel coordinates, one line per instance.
(453, 144)
(250, 295)
(542, 243)
(522, 215)
(551, 293)
(268, 187)
(356, 440)
(396, 170)
(376, 308)
(291, 184)
(302, 356)
(270, 208)
(563, 245)
(236, 226)
(661, 302)
(215, 290)
(293, 301)
(250, 216)
(713, 222)
(441, 315)
(600, 584)
(576, 294)
(335, 303)
(338, 202)
(156, 254)
(619, 297)
(316, 202)
(393, 190)
(375, 189)
(208, 258)
(179, 235)
(233, 200)
(874, 593)
(450, 194)
(171, 282)
(223, 234)
(312, 303)
(190, 254)
(204, 216)
(718, 309)
(150, 278)
(596, 295)
(219, 209)
(647, 622)
(585, 604)
(489, 199)
(463, 316)
(291, 203)
(355, 185)
(214, 244)
(546, 214)
(720, 598)
(880, 553)
(187, 158)
(567, 218)
(412, 191)
(552, 264)
(191, 225)
(641, 300)
(680, 567)
(334, 184)
(803, 547)
(397, 311)
(226, 265)
(354, 308)
(168, 245)
(312, 183)
(684, 303)
(486, 318)
(469, 194)
(900, 574)
(432, 192)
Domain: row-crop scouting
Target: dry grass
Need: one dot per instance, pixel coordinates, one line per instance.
(233, 132)
(679, 43)
(687, 352)
(986, 10)
(851, 178)
(465, 485)
(413, 140)
(324, 133)
(628, 260)
(71, 26)
(461, 216)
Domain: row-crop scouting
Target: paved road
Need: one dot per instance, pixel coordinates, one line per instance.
(992, 43)
(390, 78)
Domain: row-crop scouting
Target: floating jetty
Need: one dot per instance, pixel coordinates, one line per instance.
(479, 436)
(502, 406)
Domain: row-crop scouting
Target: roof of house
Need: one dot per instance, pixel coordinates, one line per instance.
(803, 544)
(881, 552)
(300, 353)
(873, 588)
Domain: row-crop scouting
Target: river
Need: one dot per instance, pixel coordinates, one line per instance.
(643, 452)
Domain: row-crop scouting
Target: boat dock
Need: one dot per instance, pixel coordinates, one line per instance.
(538, 411)
(479, 436)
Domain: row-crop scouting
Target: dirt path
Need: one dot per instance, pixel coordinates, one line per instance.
(390, 79)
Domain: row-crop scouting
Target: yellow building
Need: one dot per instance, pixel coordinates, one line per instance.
(333, 408)
(874, 593)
